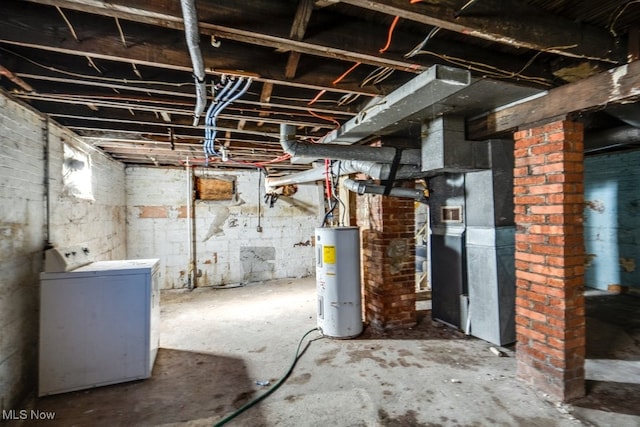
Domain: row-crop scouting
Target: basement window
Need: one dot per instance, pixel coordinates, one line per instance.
(76, 173)
(451, 213)
(216, 188)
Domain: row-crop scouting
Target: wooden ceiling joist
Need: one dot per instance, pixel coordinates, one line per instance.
(522, 27)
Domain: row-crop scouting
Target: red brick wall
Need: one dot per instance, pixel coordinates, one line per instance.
(388, 260)
(549, 258)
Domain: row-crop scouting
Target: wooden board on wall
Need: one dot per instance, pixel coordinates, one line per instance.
(214, 189)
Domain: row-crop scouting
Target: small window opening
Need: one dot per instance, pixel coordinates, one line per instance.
(76, 173)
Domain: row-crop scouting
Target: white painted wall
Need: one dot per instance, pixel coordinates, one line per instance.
(229, 249)
(98, 223)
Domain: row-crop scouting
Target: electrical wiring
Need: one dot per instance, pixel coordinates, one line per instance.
(330, 119)
(345, 74)
(377, 76)
(392, 28)
(327, 182)
(616, 15)
(335, 82)
(122, 37)
(336, 182)
(480, 67)
(348, 98)
(331, 184)
(413, 52)
(315, 98)
(305, 100)
(462, 9)
(390, 34)
(66, 20)
(297, 356)
(329, 212)
(261, 165)
(489, 70)
(384, 75)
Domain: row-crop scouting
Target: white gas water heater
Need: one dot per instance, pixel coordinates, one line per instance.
(338, 281)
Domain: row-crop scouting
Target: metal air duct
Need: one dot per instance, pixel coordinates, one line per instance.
(342, 152)
(192, 35)
(361, 187)
(346, 167)
(412, 101)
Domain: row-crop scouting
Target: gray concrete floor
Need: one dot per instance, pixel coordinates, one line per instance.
(216, 343)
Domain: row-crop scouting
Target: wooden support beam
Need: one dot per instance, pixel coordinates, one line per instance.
(265, 98)
(621, 84)
(301, 20)
(298, 29)
(292, 65)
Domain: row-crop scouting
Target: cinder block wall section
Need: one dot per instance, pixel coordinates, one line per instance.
(549, 258)
(612, 221)
(98, 222)
(388, 260)
(228, 247)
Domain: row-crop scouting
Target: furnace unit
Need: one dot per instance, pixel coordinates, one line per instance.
(338, 281)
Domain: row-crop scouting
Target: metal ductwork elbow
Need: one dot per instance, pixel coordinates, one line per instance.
(288, 139)
(343, 152)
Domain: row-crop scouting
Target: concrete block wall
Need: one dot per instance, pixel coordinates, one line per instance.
(99, 223)
(229, 249)
(23, 232)
(612, 221)
(388, 260)
(549, 258)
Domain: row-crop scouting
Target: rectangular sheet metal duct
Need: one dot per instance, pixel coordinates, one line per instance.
(412, 101)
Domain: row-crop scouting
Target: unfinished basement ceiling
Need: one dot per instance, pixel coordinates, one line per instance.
(119, 72)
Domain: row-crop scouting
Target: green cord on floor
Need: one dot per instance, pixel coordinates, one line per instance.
(268, 392)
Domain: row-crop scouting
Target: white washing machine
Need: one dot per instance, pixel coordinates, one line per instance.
(99, 321)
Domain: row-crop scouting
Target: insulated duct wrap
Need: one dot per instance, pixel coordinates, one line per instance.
(342, 152)
(361, 187)
(192, 35)
(374, 170)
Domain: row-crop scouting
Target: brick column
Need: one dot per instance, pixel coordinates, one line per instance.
(388, 260)
(549, 258)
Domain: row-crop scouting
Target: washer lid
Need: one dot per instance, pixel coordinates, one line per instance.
(66, 259)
